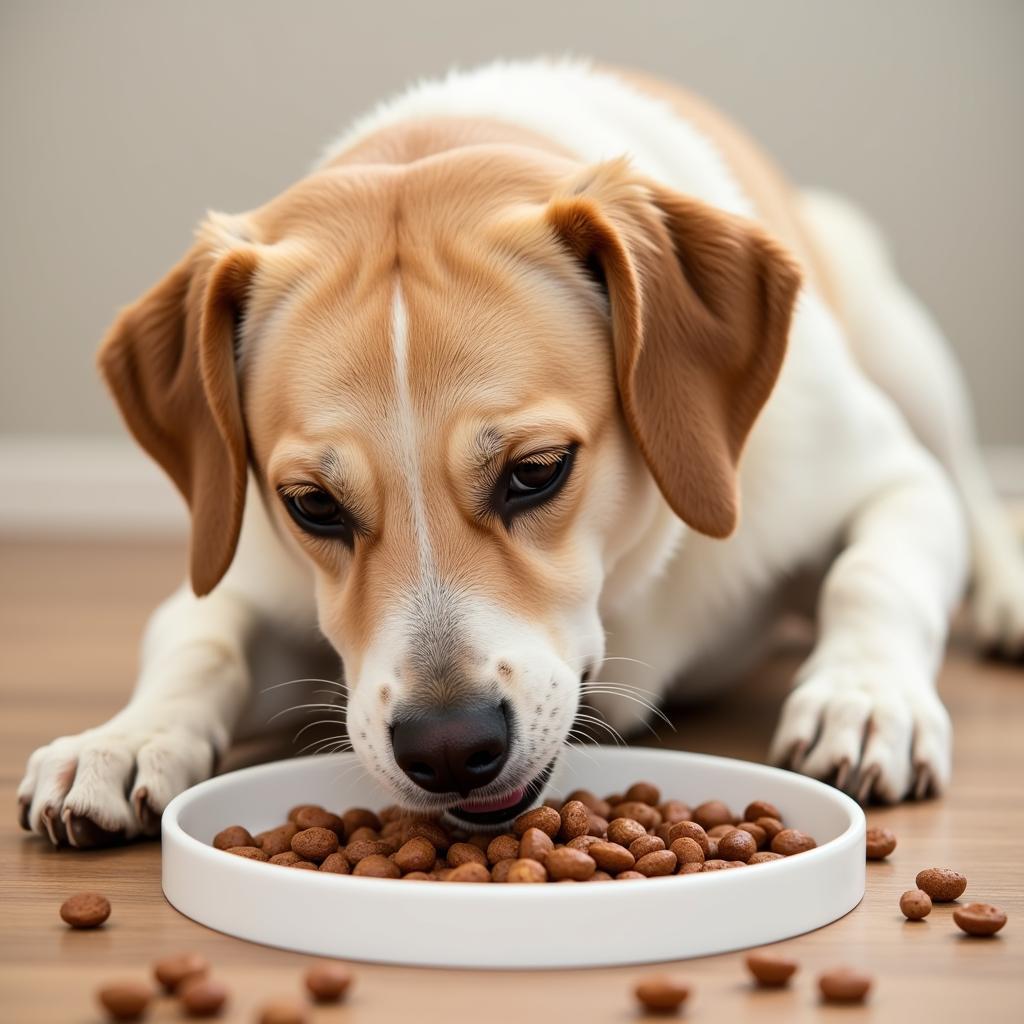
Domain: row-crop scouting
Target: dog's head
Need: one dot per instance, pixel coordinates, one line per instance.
(467, 387)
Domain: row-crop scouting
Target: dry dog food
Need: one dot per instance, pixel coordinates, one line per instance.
(125, 1000)
(844, 985)
(328, 982)
(85, 910)
(174, 970)
(943, 885)
(770, 969)
(661, 994)
(915, 904)
(635, 834)
(283, 1011)
(202, 997)
(880, 843)
(980, 918)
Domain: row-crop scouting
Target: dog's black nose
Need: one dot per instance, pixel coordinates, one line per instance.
(452, 750)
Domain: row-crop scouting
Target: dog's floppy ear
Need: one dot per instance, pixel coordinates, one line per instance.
(169, 360)
(701, 303)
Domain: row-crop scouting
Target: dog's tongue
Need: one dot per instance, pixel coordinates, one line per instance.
(510, 799)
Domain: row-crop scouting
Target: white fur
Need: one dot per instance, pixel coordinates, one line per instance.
(833, 477)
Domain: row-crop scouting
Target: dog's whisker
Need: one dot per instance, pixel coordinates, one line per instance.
(310, 725)
(601, 723)
(314, 706)
(292, 682)
(612, 692)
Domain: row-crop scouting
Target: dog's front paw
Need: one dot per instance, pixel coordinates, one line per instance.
(997, 608)
(109, 784)
(868, 729)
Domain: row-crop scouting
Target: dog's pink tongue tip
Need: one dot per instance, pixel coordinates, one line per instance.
(510, 799)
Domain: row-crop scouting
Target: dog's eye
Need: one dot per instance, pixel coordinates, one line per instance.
(318, 513)
(534, 480)
(528, 476)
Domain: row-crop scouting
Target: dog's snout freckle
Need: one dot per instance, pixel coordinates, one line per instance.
(504, 669)
(385, 694)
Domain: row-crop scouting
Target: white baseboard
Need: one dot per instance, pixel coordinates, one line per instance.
(107, 487)
(91, 487)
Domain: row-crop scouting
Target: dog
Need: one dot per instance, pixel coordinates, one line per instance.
(475, 402)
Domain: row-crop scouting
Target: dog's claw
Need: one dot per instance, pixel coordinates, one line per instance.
(148, 818)
(923, 784)
(867, 784)
(796, 755)
(842, 774)
(54, 826)
(23, 812)
(84, 834)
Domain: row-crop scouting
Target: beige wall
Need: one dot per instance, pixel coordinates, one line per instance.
(123, 120)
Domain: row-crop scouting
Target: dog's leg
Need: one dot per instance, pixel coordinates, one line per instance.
(113, 782)
(865, 710)
(903, 350)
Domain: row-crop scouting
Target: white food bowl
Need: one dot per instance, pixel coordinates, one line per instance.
(452, 925)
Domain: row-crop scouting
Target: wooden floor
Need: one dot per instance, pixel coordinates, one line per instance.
(70, 616)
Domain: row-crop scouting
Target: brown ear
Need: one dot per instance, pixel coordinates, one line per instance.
(701, 303)
(169, 361)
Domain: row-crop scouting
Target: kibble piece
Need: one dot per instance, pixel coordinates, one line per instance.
(688, 851)
(418, 876)
(283, 1011)
(764, 856)
(645, 793)
(567, 863)
(125, 1000)
(790, 841)
(943, 884)
(298, 809)
(611, 857)
(85, 910)
(499, 872)
(364, 835)
(674, 810)
(712, 850)
(336, 864)
(770, 969)
(328, 982)
(547, 819)
(654, 865)
(172, 971)
(645, 845)
(361, 848)
(689, 830)
(470, 871)
(525, 870)
(233, 835)
(981, 919)
(249, 852)
(759, 834)
(693, 868)
(317, 817)
(465, 853)
(315, 844)
(625, 876)
(377, 866)
(844, 985)
(481, 840)
(535, 845)
(305, 865)
(720, 830)
(503, 847)
(772, 827)
(712, 813)
(390, 814)
(715, 864)
(761, 809)
(359, 817)
(416, 855)
(625, 831)
(648, 816)
(598, 826)
(915, 904)
(203, 997)
(583, 843)
(661, 993)
(880, 842)
(575, 820)
(600, 876)
(434, 833)
(276, 840)
(737, 845)
(287, 859)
